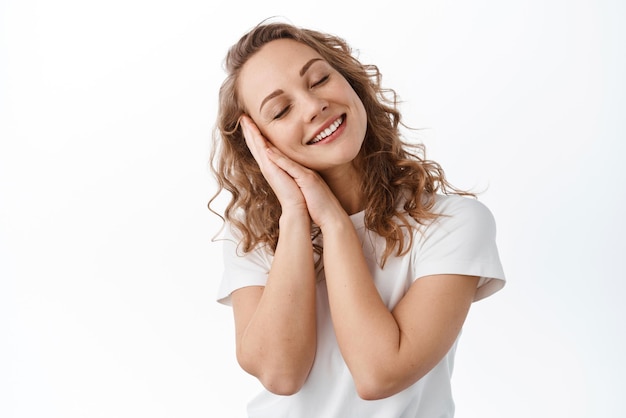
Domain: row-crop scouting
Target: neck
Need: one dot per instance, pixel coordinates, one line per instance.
(345, 184)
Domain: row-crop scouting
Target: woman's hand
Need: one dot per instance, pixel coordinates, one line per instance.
(275, 324)
(284, 186)
(321, 202)
(293, 183)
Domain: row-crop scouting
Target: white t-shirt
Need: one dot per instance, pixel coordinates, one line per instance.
(462, 241)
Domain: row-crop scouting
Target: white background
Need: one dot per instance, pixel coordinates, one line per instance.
(107, 270)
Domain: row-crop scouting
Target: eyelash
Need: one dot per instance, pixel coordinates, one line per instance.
(284, 111)
(321, 81)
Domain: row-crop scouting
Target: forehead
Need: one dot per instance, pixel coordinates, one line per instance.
(280, 56)
(273, 65)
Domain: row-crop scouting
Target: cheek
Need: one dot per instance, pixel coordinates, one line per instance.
(285, 139)
(272, 135)
(361, 115)
(357, 103)
(276, 137)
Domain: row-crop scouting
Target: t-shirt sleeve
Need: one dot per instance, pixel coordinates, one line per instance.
(461, 241)
(241, 269)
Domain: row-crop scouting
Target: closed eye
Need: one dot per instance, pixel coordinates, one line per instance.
(282, 112)
(321, 81)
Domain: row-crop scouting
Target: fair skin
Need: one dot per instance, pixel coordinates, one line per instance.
(291, 95)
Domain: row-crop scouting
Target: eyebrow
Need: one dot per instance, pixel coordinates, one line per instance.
(270, 96)
(306, 66)
(278, 92)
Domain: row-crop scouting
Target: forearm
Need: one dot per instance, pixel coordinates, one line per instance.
(387, 351)
(368, 335)
(278, 345)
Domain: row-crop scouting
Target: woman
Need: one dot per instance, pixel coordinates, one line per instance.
(350, 262)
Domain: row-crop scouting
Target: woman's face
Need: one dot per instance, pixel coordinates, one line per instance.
(302, 105)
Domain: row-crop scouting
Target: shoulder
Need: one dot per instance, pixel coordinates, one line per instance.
(460, 220)
(454, 211)
(241, 269)
(462, 206)
(461, 240)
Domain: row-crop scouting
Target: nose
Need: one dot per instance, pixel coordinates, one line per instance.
(313, 106)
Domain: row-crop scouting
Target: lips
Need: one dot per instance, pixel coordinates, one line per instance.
(328, 131)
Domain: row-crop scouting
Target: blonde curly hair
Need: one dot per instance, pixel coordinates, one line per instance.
(398, 182)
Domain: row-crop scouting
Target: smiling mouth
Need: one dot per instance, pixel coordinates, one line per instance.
(328, 131)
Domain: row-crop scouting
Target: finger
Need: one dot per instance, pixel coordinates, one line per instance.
(259, 147)
(254, 140)
(252, 132)
(291, 167)
(245, 129)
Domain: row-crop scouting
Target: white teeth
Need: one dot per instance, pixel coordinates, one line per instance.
(332, 128)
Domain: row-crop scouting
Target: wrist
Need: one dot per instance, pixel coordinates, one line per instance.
(337, 225)
(294, 217)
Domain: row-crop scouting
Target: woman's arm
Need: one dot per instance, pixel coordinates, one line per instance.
(275, 325)
(385, 351)
(388, 351)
